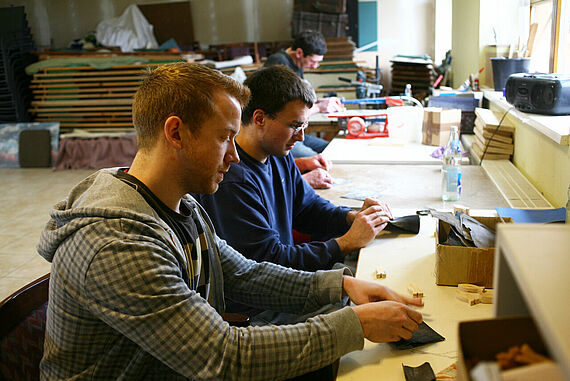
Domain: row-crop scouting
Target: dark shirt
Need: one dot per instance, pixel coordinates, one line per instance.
(258, 204)
(186, 227)
(282, 58)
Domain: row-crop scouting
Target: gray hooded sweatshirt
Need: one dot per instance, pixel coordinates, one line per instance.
(120, 305)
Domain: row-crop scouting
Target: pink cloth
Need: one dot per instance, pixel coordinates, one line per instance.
(96, 153)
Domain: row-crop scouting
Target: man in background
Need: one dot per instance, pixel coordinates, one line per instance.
(307, 51)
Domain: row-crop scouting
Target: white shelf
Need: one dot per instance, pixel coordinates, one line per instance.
(531, 278)
(556, 128)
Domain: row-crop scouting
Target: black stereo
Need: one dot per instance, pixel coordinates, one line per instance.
(539, 93)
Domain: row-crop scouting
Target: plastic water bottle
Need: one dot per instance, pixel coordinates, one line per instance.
(451, 168)
(408, 90)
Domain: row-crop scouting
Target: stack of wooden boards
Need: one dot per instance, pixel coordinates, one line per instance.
(86, 98)
(417, 72)
(500, 146)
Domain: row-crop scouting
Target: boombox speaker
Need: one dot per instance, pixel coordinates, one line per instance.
(539, 93)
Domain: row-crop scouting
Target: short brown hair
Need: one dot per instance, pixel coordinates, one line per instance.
(179, 89)
(272, 87)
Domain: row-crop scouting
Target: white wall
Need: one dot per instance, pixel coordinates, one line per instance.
(404, 27)
(55, 23)
(226, 21)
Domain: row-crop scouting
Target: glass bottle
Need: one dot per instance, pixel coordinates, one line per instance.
(451, 168)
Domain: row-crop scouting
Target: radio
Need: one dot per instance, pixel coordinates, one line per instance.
(539, 93)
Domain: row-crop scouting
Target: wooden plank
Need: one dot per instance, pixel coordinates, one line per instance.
(63, 123)
(78, 80)
(491, 149)
(488, 156)
(62, 68)
(83, 96)
(75, 109)
(106, 114)
(73, 85)
(489, 118)
(110, 90)
(515, 188)
(491, 143)
(503, 137)
(93, 73)
(94, 102)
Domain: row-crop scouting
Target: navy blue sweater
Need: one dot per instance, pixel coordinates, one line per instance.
(258, 204)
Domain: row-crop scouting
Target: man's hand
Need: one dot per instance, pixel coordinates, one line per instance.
(365, 225)
(327, 105)
(309, 163)
(318, 179)
(383, 313)
(368, 202)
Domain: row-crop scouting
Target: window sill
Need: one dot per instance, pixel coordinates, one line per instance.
(556, 128)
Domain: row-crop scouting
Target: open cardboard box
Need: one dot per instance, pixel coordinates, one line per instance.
(459, 264)
(481, 340)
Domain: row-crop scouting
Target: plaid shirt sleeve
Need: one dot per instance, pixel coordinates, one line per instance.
(135, 286)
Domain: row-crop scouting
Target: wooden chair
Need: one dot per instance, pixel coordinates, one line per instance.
(22, 328)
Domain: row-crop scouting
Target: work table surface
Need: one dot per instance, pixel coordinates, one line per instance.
(411, 186)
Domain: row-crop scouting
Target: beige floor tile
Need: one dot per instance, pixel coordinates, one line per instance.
(33, 269)
(9, 285)
(11, 262)
(26, 198)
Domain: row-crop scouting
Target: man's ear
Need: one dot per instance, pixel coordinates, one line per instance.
(299, 53)
(172, 131)
(259, 118)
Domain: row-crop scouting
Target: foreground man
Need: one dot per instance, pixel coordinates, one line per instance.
(138, 275)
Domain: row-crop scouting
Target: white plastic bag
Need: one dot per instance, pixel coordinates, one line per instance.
(130, 31)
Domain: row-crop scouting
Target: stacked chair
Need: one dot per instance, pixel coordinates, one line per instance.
(16, 46)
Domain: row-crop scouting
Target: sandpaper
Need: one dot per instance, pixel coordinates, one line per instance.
(408, 224)
(423, 372)
(424, 335)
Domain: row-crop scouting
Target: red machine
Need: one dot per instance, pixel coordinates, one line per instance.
(359, 125)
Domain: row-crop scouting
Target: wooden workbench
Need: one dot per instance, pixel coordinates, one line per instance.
(411, 186)
(410, 258)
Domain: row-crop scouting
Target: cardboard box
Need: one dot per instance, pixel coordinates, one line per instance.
(460, 264)
(437, 125)
(481, 340)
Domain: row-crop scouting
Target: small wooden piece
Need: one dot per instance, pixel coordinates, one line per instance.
(460, 208)
(467, 297)
(467, 287)
(415, 291)
(380, 273)
(486, 296)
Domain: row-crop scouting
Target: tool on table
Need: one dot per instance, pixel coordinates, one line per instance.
(364, 89)
(361, 125)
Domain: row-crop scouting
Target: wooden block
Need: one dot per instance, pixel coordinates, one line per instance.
(380, 273)
(468, 287)
(460, 208)
(491, 149)
(488, 156)
(503, 137)
(415, 291)
(467, 297)
(492, 119)
(486, 296)
(493, 142)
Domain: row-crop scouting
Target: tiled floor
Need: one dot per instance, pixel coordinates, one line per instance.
(26, 196)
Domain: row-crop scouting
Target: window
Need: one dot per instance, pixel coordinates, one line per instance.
(550, 24)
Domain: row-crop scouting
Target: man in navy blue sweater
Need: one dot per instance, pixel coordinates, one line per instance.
(263, 197)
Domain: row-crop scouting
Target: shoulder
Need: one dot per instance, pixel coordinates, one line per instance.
(278, 58)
